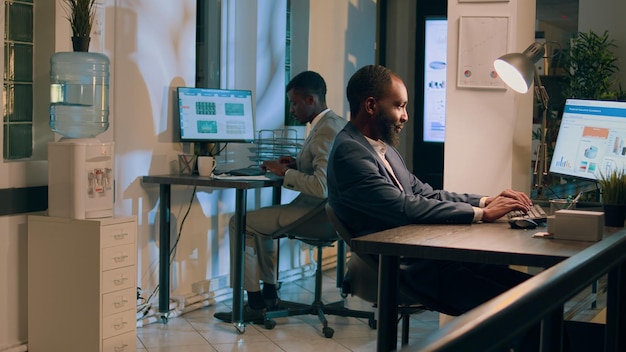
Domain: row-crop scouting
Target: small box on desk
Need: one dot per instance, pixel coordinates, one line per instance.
(578, 225)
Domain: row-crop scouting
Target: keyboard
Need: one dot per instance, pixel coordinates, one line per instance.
(536, 213)
(247, 171)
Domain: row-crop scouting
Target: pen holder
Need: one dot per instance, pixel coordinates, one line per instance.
(562, 204)
(186, 164)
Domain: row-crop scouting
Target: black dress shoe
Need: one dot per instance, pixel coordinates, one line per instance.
(272, 304)
(250, 315)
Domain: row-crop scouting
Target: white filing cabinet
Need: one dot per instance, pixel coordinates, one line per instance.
(82, 284)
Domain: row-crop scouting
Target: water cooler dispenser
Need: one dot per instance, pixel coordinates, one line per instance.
(80, 178)
(80, 167)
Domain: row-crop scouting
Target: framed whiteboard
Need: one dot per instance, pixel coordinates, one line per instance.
(481, 41)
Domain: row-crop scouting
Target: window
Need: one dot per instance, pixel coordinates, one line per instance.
(17, 99)
(289, 121)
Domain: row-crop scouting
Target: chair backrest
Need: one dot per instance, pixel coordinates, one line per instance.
(362, 268)
(340, 228)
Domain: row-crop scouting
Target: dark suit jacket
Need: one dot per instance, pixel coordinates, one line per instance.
(367, 199)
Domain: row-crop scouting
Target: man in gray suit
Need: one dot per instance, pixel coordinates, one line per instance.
(370, 189)
(307, 174)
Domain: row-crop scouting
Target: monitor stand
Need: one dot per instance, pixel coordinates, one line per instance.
(209, 149)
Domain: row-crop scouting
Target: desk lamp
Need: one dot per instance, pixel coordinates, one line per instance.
(518, 70)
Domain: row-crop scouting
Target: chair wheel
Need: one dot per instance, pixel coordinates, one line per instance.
(241, 328)
(371, 322)
(328, 332)
(269, 324)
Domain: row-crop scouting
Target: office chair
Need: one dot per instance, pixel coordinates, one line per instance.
(307, 230)
(362, 277)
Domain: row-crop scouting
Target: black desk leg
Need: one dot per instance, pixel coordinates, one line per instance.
(240, 247)
(276, 195)
(614, 336)
(552, 331)
(164, 250)
(387, 303)
(341, 263)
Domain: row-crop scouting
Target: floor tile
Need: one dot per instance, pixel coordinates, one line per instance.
(199, 331)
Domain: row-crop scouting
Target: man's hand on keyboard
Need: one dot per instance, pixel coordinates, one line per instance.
(500, 206)
(276, 167)
(289, 161)
(509, 193)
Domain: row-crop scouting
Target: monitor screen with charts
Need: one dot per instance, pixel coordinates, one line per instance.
(591, 139)
(215, 115)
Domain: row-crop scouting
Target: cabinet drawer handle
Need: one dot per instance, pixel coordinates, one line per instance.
(119, 325)
(120, 348)
(120, 281)
(120, 303)
(120, 258)
(120, 236)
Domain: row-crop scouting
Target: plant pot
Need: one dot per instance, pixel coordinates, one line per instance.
(81, 43)
(614, 214)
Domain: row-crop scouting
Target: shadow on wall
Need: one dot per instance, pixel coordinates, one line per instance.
(355, 45)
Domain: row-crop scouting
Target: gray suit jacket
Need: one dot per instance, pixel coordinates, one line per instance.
(366, 197)
(312, 161)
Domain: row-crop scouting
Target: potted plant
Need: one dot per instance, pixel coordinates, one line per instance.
(613, 188)
(590, 67)
(80, 14)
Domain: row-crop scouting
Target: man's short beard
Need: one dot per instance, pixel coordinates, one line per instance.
(388, 130)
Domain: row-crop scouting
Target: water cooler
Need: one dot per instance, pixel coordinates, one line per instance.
(80, 167)
(80, 178)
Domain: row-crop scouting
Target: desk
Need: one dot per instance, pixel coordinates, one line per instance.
(489, 243)
(241, 186)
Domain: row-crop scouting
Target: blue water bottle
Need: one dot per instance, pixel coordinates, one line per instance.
(79, 94)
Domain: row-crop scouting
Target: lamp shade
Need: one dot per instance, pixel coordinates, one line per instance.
(518, 70)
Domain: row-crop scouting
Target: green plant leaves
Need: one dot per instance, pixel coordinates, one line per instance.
(613, 186)
(80, 13)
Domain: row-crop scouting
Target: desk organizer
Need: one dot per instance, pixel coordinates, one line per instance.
(580, 225)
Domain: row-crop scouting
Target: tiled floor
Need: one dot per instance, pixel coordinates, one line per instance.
(198, 331)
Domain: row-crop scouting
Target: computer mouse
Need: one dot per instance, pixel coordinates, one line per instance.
(523, 224)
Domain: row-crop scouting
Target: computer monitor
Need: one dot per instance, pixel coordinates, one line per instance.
(207, 115)
(591, 139)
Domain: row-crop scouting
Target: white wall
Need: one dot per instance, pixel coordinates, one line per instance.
(488, 132)
(153, 56)
(13, 231)
(341, 40)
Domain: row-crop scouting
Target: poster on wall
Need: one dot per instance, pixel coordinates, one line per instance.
(481, 41)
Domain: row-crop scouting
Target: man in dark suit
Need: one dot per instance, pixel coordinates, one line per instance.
(306, 173)
(371, 189)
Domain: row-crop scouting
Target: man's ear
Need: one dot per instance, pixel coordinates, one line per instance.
(370, 105)
(310, 99)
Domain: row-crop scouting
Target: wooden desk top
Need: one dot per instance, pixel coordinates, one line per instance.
(491, 243)
(195, 180)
